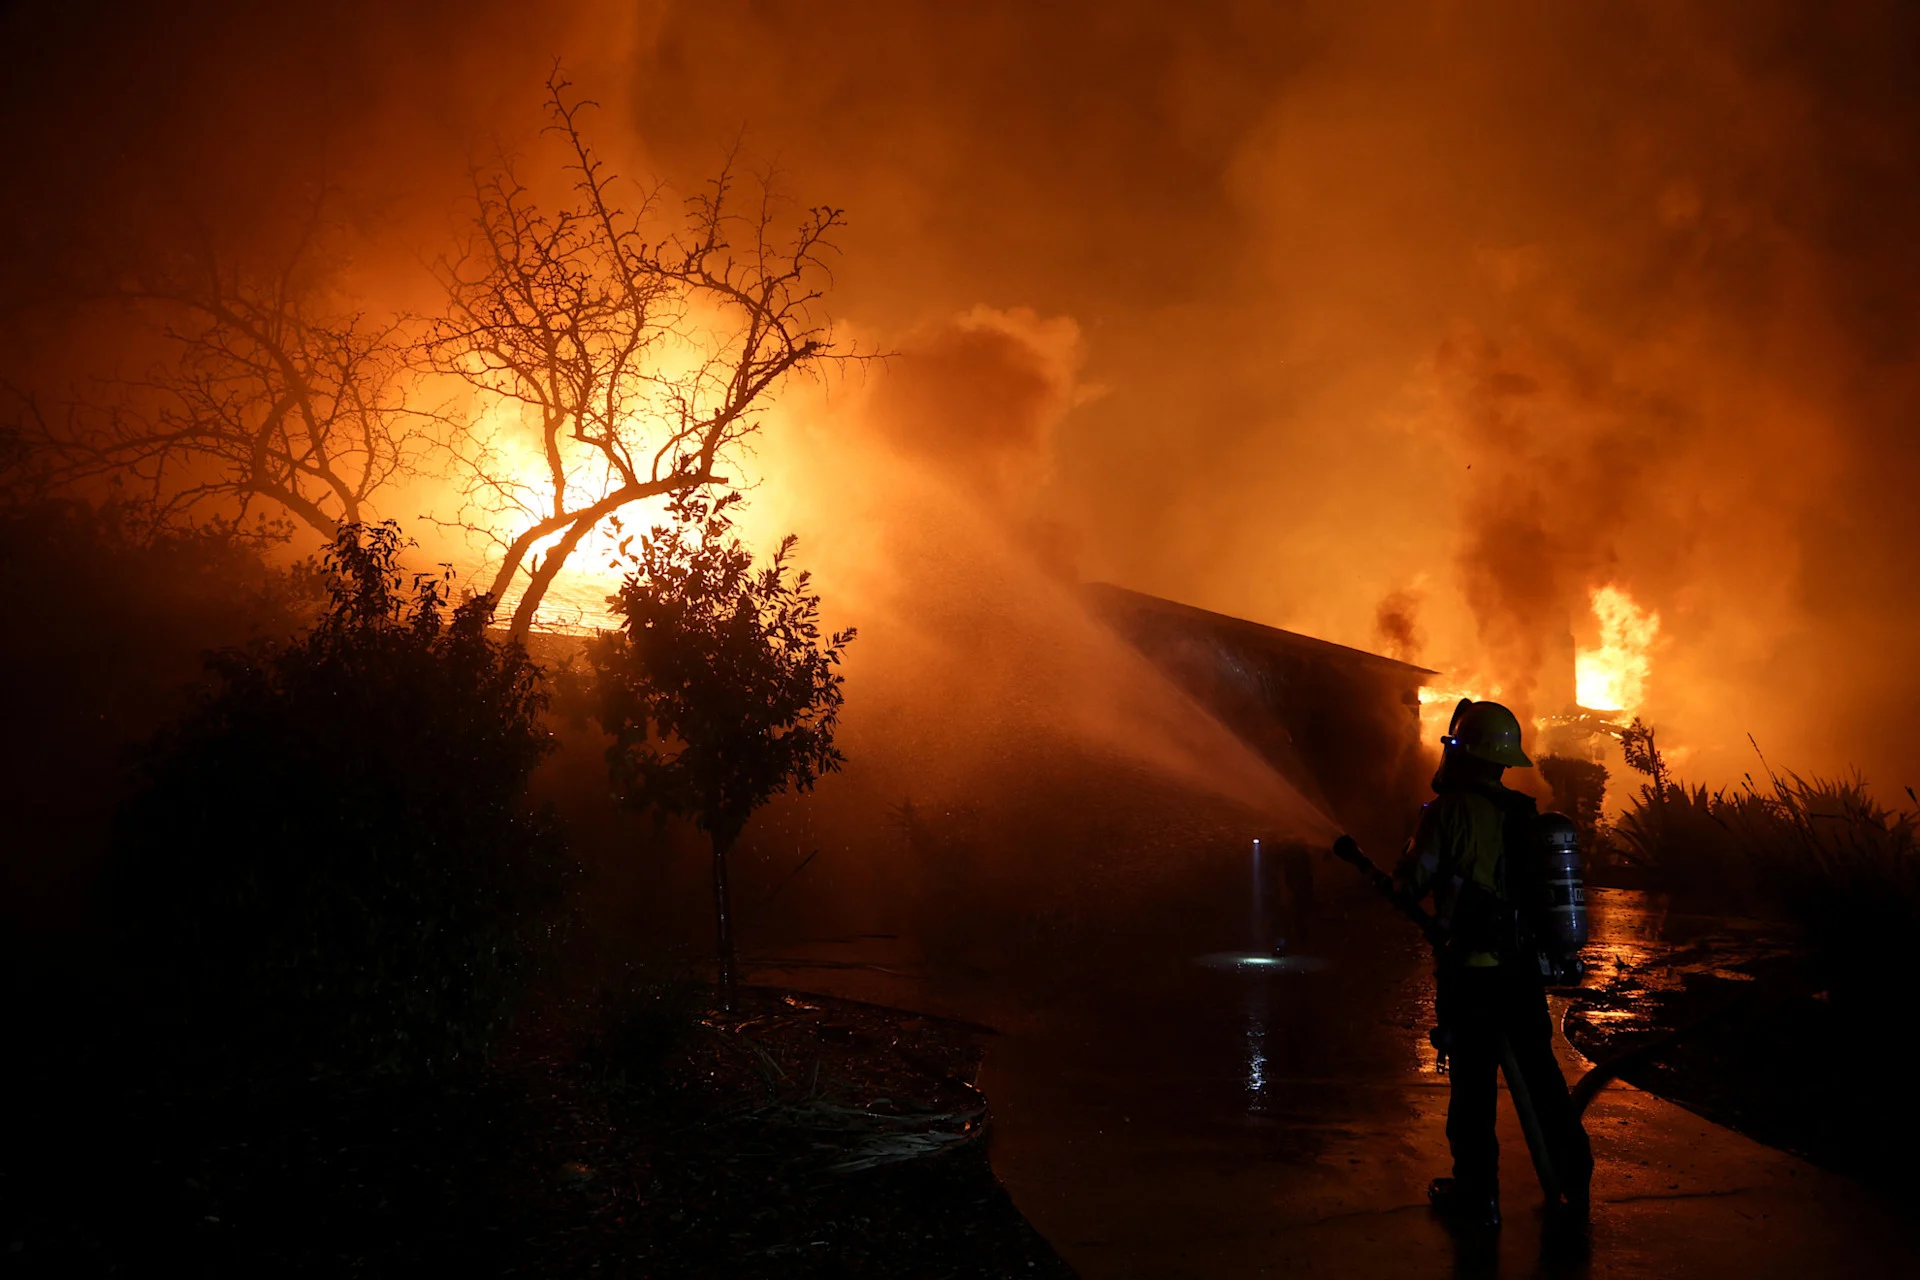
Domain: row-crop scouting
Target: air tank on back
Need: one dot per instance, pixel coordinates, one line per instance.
(1560, 912)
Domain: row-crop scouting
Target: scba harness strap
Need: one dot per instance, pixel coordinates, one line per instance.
(1480, 919)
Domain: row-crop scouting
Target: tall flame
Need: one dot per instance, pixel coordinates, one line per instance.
(1613, 677)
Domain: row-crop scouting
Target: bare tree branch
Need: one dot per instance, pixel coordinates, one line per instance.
(267, 393)
(640, 362)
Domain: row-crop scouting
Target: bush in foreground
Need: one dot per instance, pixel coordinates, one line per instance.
(106, 621)
(333, 859)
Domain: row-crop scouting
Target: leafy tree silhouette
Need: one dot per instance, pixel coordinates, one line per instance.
(719, 688)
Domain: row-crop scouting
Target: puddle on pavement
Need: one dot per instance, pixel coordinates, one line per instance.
(1642, 951)
(1260, 962)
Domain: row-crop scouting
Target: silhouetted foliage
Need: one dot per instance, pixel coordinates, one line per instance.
(719, 690)
(107, 620)
(273, 395)
(1580, 792)
(334, 857)
(1821, 852)
(1642, 754)
(20, 478)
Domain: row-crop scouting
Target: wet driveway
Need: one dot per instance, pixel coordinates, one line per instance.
(1162, 1117)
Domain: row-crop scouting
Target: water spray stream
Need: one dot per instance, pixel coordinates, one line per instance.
(1257, 938)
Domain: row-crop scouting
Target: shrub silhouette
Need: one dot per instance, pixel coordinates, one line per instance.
(333, 857)
(1821, 852)
(1580, 792)
(107, 626)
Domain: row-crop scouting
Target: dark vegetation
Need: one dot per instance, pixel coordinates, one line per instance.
(581, 317)
(332, 853)
(105, 625)
(302, 978)
(1821, 854)
(1833, 875)
(624, 335)
(1580, 791)
(328, 1013)
(268, 398)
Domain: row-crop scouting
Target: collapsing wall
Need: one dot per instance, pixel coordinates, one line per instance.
(1341, 724)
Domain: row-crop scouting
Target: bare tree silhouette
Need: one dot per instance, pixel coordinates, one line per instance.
(638, 361)
(271, 392)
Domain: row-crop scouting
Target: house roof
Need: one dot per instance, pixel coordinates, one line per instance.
(1111, 599)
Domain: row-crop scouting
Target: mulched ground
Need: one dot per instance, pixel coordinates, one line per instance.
(796, 1136)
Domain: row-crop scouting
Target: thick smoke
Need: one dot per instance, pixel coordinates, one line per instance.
(1503, 301)
(1514, 300)
(978, 399)
(1396, 626)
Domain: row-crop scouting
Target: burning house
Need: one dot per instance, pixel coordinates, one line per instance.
(1341, 724)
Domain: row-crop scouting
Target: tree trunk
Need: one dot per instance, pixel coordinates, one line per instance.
(723, 918)
(545, 572)
(578, 525)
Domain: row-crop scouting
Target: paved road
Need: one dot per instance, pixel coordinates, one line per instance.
(1169, 1119)
(1132, 1173)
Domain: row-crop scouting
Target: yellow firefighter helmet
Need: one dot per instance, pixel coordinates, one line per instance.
(1488, 731)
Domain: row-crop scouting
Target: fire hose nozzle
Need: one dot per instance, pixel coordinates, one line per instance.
(1347, 849)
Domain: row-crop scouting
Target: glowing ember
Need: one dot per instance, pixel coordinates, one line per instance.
(1613, 677)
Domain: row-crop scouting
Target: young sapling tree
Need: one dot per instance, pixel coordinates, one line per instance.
(719, 688)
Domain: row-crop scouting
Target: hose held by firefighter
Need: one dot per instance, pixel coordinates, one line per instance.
(1508, 920)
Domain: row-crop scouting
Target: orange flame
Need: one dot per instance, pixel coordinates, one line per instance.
(1613, 677)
